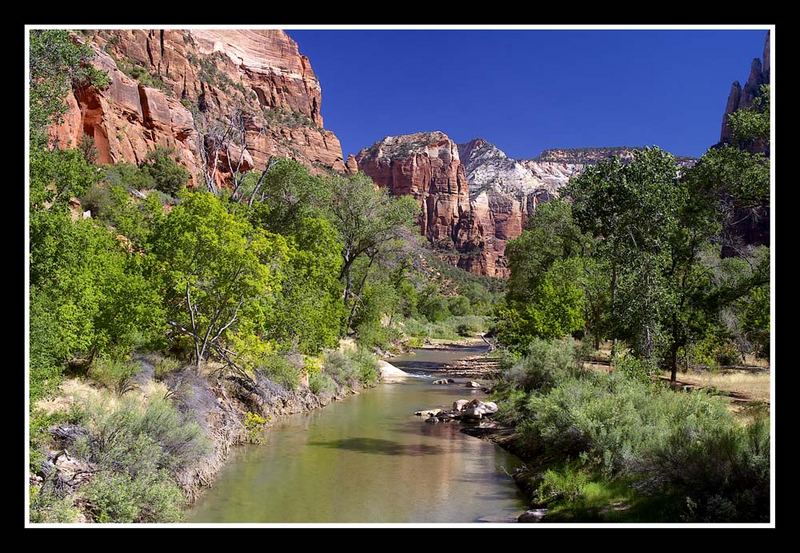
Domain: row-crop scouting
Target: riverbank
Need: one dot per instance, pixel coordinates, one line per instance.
(183, 422)
(370, 459)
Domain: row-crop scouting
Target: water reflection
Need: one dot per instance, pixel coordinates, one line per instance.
(368, 459)
(383, 447)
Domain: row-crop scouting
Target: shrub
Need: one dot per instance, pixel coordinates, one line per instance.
(352, 367)
(139, 439)
(415, 342)
(254, 424)
(117, 497)
(568, 485)
(458, 305)
(167, 174)
(278, 369)
(46, 506)
(635, 368)
(366, 365)
(721, 472)
(544, 364)
(164, 366)
(114, 374)
(321, 383)
(339, 366)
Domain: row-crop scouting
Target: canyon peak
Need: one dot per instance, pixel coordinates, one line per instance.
(170, 86)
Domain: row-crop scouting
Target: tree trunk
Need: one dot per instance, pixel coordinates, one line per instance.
(674, 361)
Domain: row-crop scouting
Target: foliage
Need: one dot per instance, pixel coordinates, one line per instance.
(140, 439)
(167, 175)
(165, 366)
(118, 497)
(459, 305)
(58, 175)
(135, 70)
(432, 305)
(115, 374)
(368, 220)
(544, 364)
(352, 367)
(751, 124)
(288, 195)
(278, 369)
(87, 296)
(321, 383)
(57, 63)
(309, 313)
(254, 425)
(47, 506)
(221, 273)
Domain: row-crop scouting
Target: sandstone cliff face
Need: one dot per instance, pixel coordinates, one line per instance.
(173, 88)
(743, 97)
(474, 197)
(427, 166)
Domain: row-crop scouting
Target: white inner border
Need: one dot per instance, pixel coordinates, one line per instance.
(771, 28)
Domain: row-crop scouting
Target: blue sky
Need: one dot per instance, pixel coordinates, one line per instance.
(526, 91)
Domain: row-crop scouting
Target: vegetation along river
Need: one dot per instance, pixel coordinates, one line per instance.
(369, 459)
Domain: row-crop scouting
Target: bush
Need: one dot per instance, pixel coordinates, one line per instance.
(117, 497)
(140, 439)
(634, 367)
(46, 506)
(278, 369)
(458, 305)
(721, 472)
(544, 364)
(164, 366)
(366, 366)
(254, 424)
(352, 367)
(321, 383)
(568, 485)
(167, 174)
(339, 366)
(114, 374)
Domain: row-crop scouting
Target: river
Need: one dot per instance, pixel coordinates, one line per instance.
(369, 459)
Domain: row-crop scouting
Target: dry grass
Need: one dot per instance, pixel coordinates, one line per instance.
(77, 392)
(753, 386)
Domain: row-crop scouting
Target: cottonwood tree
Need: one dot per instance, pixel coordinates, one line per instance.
(220, 272)
(368, 220)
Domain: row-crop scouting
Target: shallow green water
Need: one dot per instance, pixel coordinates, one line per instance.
(369, 459)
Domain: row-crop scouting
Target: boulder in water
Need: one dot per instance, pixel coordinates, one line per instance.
(534, 515)
(459, 405)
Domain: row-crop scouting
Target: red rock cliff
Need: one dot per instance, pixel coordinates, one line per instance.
(169, 87)
(427, 166)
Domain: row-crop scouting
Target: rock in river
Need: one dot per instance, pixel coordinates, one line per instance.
(534, 515)
(428, 413)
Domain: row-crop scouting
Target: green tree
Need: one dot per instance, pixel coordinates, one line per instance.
(310, 313)
(550, 235)
(631, 210)
(88, 296)
(57, 63)
(369, 222)
(221, 273)
(167, 174)
(751, 125)
(287, 194)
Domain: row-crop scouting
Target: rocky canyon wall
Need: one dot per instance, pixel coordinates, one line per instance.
(474, 198)
(182, 88)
